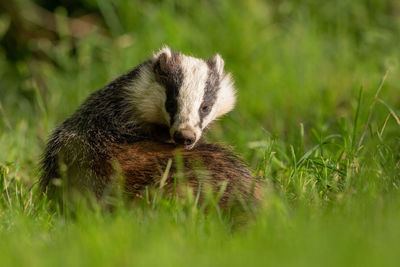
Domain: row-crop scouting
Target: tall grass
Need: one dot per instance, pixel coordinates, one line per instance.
(317, 118)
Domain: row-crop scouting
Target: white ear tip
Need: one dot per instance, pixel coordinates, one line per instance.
(219, 62)
(164, 50)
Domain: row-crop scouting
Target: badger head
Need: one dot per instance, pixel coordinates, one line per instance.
(194, 92)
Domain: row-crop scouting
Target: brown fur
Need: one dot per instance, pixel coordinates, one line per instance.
(208, 167)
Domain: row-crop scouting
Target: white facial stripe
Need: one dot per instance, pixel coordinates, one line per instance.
(195, 73)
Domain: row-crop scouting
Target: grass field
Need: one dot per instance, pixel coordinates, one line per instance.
(318, 117)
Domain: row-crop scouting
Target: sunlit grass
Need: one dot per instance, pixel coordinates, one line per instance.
(317, 119)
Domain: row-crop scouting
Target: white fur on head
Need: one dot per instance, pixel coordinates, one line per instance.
(165, 50)
(147, 96)
(190, 98)
(196, 74)
(224, 102)
(195, 77)
(219, 64)
(226, 99)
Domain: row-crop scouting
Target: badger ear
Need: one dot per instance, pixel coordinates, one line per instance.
(161, 59)
(217, 63)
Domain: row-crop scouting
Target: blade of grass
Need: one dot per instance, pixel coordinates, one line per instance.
(384, 124)
(166, 173)
(371, 110)
(355, 123)
(392, 112)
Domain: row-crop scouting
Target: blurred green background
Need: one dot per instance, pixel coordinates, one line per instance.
(317, 117)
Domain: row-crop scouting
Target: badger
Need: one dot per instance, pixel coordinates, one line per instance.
(140, 120)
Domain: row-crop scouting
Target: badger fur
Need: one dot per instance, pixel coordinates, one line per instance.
(209, 167)
(171, 98)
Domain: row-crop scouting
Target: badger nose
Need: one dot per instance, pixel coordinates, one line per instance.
(184, 137)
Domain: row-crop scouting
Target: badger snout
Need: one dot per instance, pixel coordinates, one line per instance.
(185, 137)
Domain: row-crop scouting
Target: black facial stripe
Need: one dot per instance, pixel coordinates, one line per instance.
(210, 92)
(172, 80)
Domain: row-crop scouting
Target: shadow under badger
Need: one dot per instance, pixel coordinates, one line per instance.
(167, 101)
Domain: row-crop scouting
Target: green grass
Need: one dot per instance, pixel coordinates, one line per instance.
(317, 118)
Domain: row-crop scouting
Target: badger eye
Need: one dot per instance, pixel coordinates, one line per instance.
(205, 108)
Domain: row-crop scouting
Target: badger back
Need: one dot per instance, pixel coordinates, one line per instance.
(206, 167)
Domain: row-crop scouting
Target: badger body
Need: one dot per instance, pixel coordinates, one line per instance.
(206, 169)
(164, 103)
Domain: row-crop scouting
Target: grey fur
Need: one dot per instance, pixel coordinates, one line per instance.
(104, 118)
